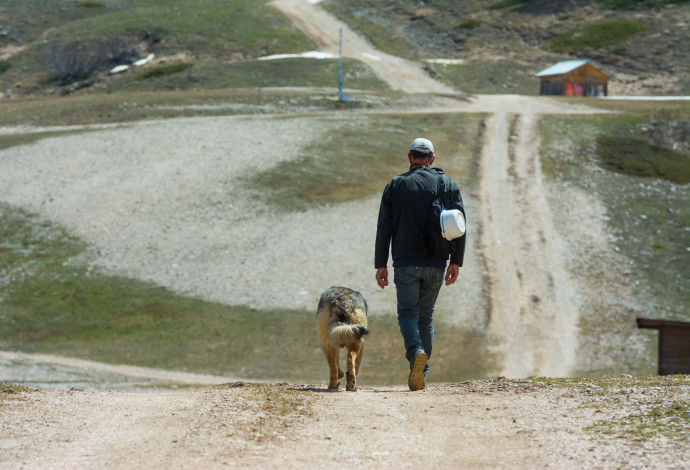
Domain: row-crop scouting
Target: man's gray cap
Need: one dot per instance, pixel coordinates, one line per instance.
(422, 145)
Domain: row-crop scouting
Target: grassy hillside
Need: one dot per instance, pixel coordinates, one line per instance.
(58, 47)
(503, 43)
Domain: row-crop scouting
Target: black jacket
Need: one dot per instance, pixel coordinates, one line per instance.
(405, 205)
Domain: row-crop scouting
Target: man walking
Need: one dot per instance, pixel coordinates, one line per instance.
(418, 276)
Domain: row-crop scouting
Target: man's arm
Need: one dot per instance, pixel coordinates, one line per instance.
(452, 273)
(382, 277)
(384, 230)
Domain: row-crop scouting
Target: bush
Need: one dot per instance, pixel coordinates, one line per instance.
(501, 4)
(637, 156)
(78, 60)
(596, 35)
(632, 4)
(162, 71)
(4, 66)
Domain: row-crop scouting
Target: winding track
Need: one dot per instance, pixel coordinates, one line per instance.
(324, 30)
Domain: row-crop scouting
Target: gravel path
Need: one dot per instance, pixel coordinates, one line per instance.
(481, 424)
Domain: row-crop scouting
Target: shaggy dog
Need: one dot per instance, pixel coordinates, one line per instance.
(341, 320)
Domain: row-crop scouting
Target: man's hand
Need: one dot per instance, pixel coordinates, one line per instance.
(452, 273)
(382, 277)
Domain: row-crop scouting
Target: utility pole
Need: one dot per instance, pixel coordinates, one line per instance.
(340, 68)
(341, 97)
(258, 90)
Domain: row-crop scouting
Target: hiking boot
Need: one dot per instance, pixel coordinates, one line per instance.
(416, 379)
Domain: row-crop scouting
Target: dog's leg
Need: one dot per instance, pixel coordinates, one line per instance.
(332, 356)
(352, 351)
(360, 356)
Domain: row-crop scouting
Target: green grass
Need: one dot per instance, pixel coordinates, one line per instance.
(648, 407)
(488, 78)
(635, 4)
(470, 24)
(362, 156)
(634, 106)
(291, 72)
(596, 36)
(207, 26)
(387, 41)
(645, 407)
(225, 31)
(505, 4)
(637, 156)
(114, 107)
(129, 100)
(12, 389)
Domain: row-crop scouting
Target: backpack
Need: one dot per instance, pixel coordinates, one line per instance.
(435, 246)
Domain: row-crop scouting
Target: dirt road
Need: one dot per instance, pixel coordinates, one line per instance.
(484, 424)
(324, 30)
(533, 314)
(146, 232)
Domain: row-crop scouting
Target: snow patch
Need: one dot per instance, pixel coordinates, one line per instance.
(307, 55)
(445, 61)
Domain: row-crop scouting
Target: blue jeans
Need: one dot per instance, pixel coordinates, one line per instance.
(417, 290)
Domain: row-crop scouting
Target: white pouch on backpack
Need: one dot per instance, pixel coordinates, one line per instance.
(452, 224)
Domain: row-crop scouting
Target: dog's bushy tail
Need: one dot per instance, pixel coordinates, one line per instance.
(342, 334)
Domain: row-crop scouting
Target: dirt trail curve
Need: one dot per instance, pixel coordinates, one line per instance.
(324, 30)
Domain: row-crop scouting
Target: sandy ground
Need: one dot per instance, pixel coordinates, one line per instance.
(484, 424)
(139, 193)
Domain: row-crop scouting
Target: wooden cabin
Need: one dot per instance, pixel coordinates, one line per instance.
(573, 78)
(674, 345)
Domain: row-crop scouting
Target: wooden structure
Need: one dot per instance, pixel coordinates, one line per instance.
(674, 345)
(573, 78)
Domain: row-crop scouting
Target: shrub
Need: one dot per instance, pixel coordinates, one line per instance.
(502, 4)
(89, 4)
(75, 61)
(162, 71)
(632, 4)
(4, 66)
(596, 35)
(469, 24)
